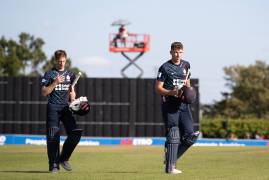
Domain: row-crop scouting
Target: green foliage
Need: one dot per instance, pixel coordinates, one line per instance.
(27, 53)
(16, 56)
(249, 93)
(32, 50)
(10, 63)
(242, 128)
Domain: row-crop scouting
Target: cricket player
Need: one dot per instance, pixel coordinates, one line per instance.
(56, 86)
(173, 84)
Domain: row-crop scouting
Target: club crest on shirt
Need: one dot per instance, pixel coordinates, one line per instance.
(184, 71)
(67, 78)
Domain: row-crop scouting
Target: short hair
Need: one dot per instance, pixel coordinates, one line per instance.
(176, 45)
(59, 53)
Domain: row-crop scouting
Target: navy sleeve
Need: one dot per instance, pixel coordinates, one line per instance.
(188, 67)
(161, 74)
(45, 81)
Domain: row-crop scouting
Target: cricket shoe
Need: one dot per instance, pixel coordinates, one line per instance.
(175, 171)
(196, 133)
(54, 168)
(66, 165)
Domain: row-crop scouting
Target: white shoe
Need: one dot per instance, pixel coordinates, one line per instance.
(66, 165)
(196, 133)
(175, 171)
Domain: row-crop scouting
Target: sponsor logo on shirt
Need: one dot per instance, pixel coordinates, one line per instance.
(62, 87)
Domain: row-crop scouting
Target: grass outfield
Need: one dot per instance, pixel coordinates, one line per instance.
(121, 162)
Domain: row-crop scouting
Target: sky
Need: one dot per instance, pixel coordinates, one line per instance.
(215, 34)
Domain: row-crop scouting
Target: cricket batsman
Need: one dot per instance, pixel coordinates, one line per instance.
(57, 87)
(173, 84)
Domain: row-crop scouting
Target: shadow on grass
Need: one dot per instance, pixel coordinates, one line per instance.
(7, 171)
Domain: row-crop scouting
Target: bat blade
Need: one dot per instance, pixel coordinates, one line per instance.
(76, 80)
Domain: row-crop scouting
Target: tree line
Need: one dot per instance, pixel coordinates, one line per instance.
(26, 57)
(248, 95)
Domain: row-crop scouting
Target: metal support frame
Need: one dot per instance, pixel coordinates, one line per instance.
(132, 62)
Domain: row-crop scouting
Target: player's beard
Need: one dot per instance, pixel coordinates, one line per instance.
(60, 67)
(176, 60)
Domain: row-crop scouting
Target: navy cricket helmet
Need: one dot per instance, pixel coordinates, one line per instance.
(189, 95)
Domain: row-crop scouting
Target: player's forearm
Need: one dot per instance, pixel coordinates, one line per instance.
(72, 96)
(46, 90)
(164, 92)
(188, 83)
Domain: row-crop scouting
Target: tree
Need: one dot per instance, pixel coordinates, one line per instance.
(27, 53)
(15, 57)
(10, 63)
(32, 51)
(249, 92)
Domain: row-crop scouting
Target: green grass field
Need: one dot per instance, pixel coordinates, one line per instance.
(119, 162)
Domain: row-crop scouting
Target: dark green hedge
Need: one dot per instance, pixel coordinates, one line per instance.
(240, 128)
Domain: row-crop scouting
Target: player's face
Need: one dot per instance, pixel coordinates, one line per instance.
(61, 63)
(176, 55)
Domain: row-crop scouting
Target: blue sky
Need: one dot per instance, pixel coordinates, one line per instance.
(215, 34)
